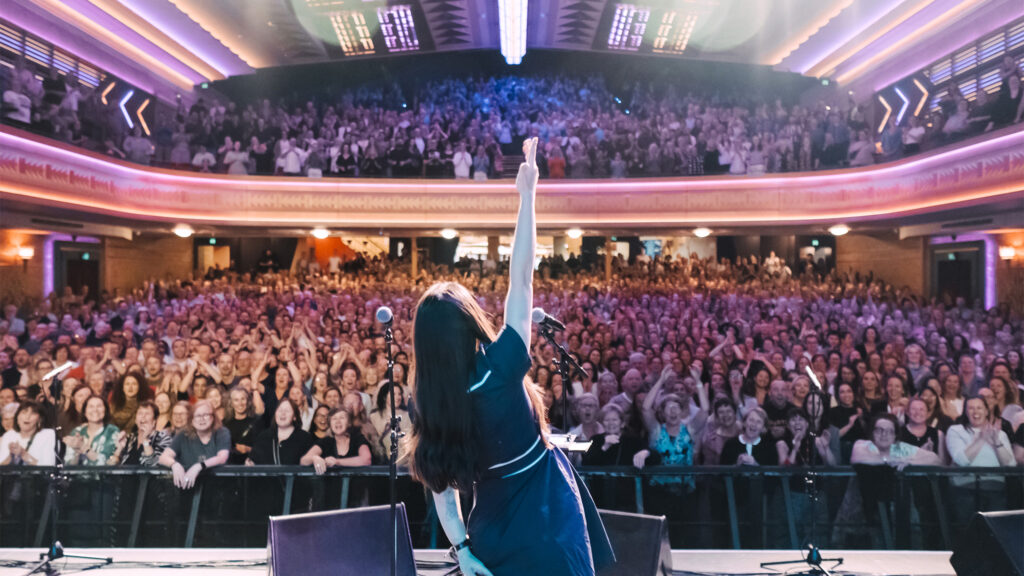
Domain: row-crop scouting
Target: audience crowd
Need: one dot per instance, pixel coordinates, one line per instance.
(463, 127)
(685, 362)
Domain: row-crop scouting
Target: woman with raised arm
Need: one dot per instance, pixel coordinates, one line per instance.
(479, 426)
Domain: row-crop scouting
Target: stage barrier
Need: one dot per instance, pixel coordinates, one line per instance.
(860, 507)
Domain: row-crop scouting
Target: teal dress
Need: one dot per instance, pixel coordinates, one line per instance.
(677, 451)
(531, 513)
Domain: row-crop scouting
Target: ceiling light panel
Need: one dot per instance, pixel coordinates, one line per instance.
(674, 32)
(398, 28)
(512, 16)
(354, 36)
(628, 27)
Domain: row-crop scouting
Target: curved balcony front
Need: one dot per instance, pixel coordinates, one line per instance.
(42, 174)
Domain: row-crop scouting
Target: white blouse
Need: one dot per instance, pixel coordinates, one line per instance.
(39, 446)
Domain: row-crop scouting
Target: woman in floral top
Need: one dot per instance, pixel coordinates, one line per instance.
(94, 442)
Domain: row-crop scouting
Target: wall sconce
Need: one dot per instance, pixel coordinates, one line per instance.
(1007, 252)
(25, 253)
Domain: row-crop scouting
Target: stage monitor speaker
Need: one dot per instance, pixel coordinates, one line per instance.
(992, 544)
(341, 542)
(640, 543)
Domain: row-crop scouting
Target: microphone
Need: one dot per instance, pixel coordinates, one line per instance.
(56, 371)
(539, 316)
(385, 316)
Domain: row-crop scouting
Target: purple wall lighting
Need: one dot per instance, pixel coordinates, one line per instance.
(48, 259)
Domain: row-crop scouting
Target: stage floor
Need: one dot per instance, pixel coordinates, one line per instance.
(249, 561)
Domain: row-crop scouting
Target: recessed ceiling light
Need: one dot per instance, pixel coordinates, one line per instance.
(183, 231)
(839, 229)
(320, 233)
(702, 232)
(449, 233)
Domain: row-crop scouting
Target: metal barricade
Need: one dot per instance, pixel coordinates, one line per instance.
(707, 506)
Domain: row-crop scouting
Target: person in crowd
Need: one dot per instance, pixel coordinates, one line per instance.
(92, 443)
(895, 399)
(28, 443)
(181, 416)
(462, 162)
(917, 432)
(7, 412)
(204, 160)
(951, 399)
(204, 443)
(676, 443)
(884, 447)
(586, 407)
(750, 447)
(977, 442)
(242, 423)
(870, 396)
(380, 418)
(799, 447)
(722, 427)
(613, 446)
(319, 428)
(353, 403)
(128, 394)
(145, 443)
(285, 442)
(345, 446)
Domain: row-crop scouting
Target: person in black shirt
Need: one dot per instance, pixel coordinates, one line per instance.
(751, 447)
(777, 407)
(613, 447)
(285, 442)
(847, 417)
(268, 263)
(346, 445)
(243, 423)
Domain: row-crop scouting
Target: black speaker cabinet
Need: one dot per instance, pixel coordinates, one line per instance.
(640, 543)
(344, 542)
(993, 544)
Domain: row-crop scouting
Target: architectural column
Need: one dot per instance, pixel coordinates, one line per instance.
(492, 248)
(609, 248)
(414, 254)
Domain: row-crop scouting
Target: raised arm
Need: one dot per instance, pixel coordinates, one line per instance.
(519, 302)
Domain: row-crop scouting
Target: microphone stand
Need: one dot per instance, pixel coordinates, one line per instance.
(58, 483)
(566, 367)
(815, 407)
(393, 457)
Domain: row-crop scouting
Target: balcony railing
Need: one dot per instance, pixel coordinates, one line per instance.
(724, 507)
(41, 172)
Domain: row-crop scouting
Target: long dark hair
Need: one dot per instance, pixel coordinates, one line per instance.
(447, 329)
(118, 398)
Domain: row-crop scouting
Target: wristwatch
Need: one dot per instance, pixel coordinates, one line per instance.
(464, 544)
